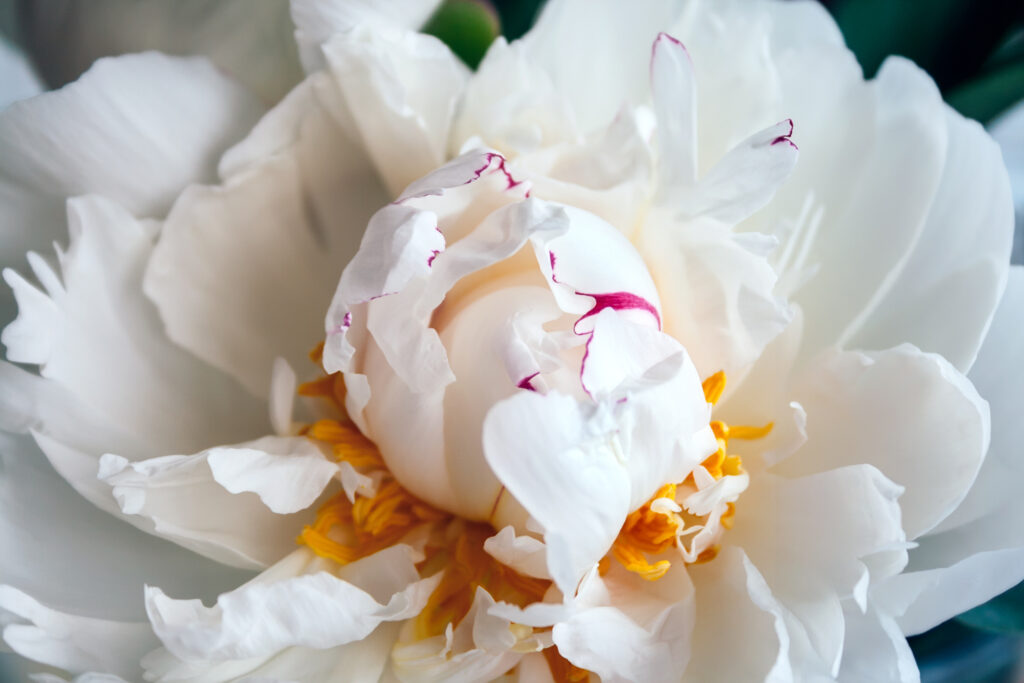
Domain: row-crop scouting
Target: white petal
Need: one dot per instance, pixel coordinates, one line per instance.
(957, 270)
(512, 104)
(369, 274)
(910, 414)
(223, 520)
(107, 133)
(663, 417)
(401, 88)
(717, 290)
(316, 21)
(317, 610)
(104, 347)
(622, 355)
(590, 266)
(253, 43)
(876, 206)
(45, 527)
(976, 552)
(481, 648)
(525, 554)
(605, 65)
(924, 599)
(555, 460)
(75, 644)
(359, 662)
(475, 341)
(745, 179)
(875, 650)
(815, 540)
(996, 374)
(735, 606)
(259, 291)
(84, 678)
(642, 635)
(408, 371)
(674, 90)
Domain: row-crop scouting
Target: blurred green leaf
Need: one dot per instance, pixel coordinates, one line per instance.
(1003, 613)
(468, 27)
(951, 39)
(875, 29)
(955, 653)
(517, 16)
(990, 94)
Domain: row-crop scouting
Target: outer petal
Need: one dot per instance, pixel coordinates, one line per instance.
(910, 414)
(260, 289)
(252, 42)
(875, 650)
(958, 268)
(736, 607)
(361, 662)
(242, 499)
(108, 133)
(45, 527)
(401, 88)
(316, 21)
(102, 351)
(75, 644)
(639, 631)
(511, 104)
(606, 63)
(997, 374)
(819, 539)
(977, 552)
(280, 609)
(925, 598)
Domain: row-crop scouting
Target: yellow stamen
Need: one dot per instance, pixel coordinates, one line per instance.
(713, 387)
(651, 532)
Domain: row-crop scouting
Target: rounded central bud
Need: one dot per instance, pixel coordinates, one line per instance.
(489, 293)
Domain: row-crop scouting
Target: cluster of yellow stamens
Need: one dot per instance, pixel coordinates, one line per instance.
(347, 530)
(654, 528)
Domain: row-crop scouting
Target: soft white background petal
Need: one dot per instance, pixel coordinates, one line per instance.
(811, 538)
(244, 501)
(109, 133)
(46, 527)
(252, 41)
(957, 270)
(284, 608)
(274, 239)
(73, 643)
(908, 413)
(317, 20)
(402, 88)
(741, 634)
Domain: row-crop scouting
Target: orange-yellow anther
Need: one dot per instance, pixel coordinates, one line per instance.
(713, 387)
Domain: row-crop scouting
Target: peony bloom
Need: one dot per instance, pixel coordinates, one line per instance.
(609, 379)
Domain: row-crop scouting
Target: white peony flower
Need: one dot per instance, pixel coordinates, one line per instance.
(612, 384)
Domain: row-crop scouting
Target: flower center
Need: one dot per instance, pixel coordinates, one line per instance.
(691, 516)
(374, 512)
